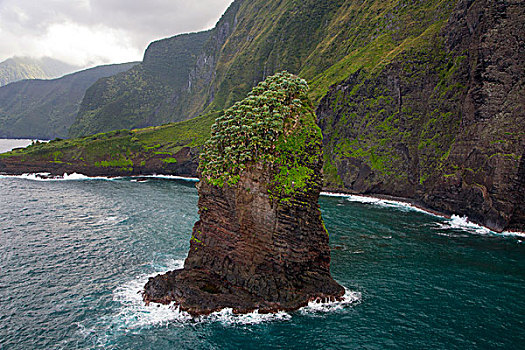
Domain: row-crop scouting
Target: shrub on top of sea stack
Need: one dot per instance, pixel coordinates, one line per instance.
(274, 126)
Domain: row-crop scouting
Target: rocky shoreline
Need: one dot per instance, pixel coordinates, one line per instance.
(47, 172)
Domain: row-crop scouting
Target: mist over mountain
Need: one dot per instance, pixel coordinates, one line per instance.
(152, 93)
(20, 68)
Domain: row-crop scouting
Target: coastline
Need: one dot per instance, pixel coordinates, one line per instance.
(413, 205)
(44, 176)
(381, 199)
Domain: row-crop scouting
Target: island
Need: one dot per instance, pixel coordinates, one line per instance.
(260, 243)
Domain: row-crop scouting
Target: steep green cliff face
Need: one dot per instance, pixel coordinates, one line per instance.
(442, 122)
(148, 94)
(417, 99)
(45, 109)
(323, 42)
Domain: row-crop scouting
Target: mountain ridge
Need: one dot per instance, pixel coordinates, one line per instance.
(45, 109)
(20, 68)
(419, 100)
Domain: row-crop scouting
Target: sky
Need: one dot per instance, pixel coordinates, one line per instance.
(93, 32)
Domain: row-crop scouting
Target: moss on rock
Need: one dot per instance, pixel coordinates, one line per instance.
(273, 126)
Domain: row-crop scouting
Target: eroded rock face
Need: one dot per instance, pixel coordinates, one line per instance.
(260, 242)
(443, 123)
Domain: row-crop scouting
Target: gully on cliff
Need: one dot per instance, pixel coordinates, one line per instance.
(260, 242)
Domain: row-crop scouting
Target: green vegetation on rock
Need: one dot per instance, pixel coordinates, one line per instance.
(324, 42)
(273, 126)
(416, 99)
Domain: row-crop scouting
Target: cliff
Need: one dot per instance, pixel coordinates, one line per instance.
(260, 242)
(323, 42)
(45, 109)
(148, 94)
(416, 99)
(442, 123)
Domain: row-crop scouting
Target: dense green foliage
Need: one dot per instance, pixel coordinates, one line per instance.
(326, 42)
(45, 109)
(20, 68)
(274, 126)
(418, 99)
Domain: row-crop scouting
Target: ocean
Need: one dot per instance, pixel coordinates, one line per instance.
(75, 254)
(8, 144)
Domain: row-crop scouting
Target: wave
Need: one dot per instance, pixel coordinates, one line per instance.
(65, 177)
(457, 222)
(349, 298)
(453, 222)
(227, 317)
(387, 203)
(110, 220)
(133, 312)
(77, 176)
(172, 177)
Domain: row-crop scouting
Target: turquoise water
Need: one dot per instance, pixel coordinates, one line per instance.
(75, 254)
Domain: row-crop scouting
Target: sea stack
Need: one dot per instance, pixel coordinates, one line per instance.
(260, 243)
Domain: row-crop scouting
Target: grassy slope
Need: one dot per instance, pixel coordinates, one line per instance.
(120, 151)
(145, 95)
(322, 42)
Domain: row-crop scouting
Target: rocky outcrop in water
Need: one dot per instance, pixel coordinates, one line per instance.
(260, 242)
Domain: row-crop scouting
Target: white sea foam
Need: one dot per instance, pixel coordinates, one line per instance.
(138, 180)
(134, 314)
(349, 298)
(462, 223)
(65, 177)
(454, 222)
(227, 317)
(513, 234)
(457, 222)
(172, 177)
(42, 176)
(387, 203)
(110, 220)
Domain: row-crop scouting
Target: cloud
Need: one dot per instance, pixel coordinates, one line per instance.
(89, 32)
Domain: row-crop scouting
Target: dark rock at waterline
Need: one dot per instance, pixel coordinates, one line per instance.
(144, 164)
(250, 252)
